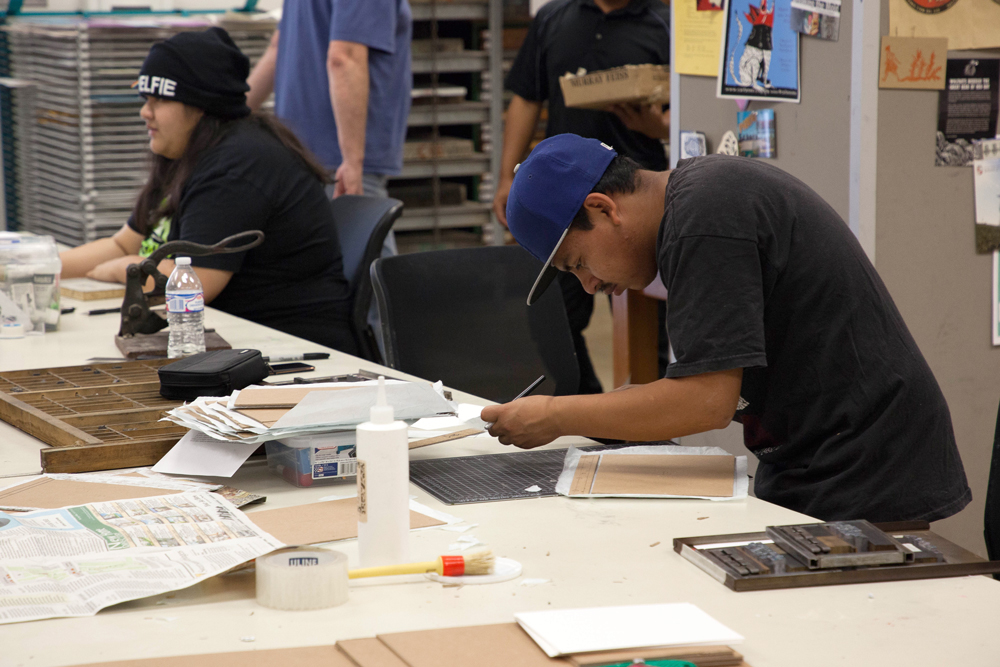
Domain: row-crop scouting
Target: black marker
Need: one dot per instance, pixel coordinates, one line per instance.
(67, 311)
(531, 387)
(103, 311)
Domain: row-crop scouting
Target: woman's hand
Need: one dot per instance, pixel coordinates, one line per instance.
(526, 423)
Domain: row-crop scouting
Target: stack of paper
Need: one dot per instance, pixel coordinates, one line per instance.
(568, 631)
(259, 414)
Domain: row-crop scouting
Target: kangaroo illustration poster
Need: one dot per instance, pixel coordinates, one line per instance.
(760, 54)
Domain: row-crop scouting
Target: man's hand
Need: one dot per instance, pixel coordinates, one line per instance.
(649, 119)
(526, 423)
(348, 180)
(500, 199)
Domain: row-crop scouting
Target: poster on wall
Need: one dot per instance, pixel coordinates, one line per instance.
(817, 18)
(967, 109)
(760, 52)
(697, 39)
(912, 63)
(968, 24)
(756, 133)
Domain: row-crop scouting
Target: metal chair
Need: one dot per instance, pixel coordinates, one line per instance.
(362, 225)
(461, 316)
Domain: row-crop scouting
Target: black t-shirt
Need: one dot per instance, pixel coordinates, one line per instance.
(837, 402)
(569, 34)
(294, 281)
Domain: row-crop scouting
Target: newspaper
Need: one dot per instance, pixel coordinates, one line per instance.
(77, 560)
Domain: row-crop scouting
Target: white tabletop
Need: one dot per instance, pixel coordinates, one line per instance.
(593, 552)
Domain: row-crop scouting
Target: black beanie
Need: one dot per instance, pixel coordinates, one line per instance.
(202, 69)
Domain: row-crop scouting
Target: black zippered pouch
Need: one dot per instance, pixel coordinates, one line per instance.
(215, 373)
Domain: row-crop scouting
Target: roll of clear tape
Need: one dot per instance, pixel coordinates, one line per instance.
(302, 578)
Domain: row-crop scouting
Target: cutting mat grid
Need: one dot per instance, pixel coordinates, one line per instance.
(479, 479)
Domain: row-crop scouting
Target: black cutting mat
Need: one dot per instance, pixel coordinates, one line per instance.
(480, 479)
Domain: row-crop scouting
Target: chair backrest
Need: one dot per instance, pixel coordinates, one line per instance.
(362, 225)
(461, 316)
(991, 516)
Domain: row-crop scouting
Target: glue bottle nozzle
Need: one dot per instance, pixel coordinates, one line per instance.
(381, 412)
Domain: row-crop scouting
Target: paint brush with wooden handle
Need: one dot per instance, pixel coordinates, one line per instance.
(477, 562)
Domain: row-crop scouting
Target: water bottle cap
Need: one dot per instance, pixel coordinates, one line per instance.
(182, 261)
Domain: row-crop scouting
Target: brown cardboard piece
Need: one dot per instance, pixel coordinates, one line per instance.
(321, 522)
(913, 62)
(48, 493)
(370, 652)
(314, 656)
(275, 397)
(656, 474)
(631, 84)
(501, 645)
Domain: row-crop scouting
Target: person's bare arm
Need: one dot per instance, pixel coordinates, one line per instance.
(519, 127)
(213, 281)
(347, 71)
(78, 262)
(649, 119)
(661, 410)
(261, 79)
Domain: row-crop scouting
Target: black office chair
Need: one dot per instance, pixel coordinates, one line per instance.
(991, 516)
(461, 316)
(362, 225)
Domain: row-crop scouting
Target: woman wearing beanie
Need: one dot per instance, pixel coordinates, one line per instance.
(217, 170)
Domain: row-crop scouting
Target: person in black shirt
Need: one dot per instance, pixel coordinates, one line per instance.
(777, 319)
(217, 171)
(595, 35)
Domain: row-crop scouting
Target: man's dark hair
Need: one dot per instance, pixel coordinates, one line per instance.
(621, 177)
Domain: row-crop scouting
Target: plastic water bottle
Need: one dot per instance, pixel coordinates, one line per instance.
(185, 311)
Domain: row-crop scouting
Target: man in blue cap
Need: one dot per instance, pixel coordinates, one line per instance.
(777, 319)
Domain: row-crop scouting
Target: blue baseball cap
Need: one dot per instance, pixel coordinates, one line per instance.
(548, 190)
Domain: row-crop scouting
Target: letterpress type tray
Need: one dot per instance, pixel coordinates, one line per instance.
(756, 562)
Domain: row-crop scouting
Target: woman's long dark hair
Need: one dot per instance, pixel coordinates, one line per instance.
(162, 193)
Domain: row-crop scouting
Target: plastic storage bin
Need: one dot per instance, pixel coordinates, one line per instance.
(308, 460)
(29, 283)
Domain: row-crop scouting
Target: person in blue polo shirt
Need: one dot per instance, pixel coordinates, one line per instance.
(777, 320)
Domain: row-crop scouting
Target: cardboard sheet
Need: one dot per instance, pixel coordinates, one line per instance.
(370, 652)
(321, 522)
(649, 474)
(969, 24)
(48, 493)
(703, 656)
(276, 397)
(313, 656)
(501, 645)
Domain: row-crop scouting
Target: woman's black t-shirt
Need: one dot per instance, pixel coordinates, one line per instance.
(294, 281)
(837, 401)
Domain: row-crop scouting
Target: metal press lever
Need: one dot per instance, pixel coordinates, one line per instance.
(137, 318)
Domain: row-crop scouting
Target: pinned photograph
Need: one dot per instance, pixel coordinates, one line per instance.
(709, 5)
(760, 55)
(693, 144)
(817, 18)
(756, 133)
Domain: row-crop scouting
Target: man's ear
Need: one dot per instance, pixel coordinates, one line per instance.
(601, 206)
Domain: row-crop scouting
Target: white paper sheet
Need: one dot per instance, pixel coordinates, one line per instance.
(565, 631)
(411, 400)
(200, 454)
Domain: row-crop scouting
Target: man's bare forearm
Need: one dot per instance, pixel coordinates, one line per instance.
(661, 410)
(261, 79)
(347, 69)
(519, 127)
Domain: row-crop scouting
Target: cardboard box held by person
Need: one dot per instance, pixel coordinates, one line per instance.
(631, 84)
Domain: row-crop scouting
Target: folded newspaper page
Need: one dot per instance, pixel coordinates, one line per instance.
(75, 561)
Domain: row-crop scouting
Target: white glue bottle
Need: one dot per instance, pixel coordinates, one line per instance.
(383, 455)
